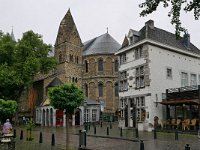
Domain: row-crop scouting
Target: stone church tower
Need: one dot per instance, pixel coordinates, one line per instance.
(68, 51)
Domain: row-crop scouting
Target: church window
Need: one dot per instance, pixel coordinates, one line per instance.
(71, 58)
(116, 65)
(60, 57)
(77, 59)
(86, 66)
(100, 64)
(86, 90)
(100, 87)
(116, 89)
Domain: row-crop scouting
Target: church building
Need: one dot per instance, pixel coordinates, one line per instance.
(91, 65)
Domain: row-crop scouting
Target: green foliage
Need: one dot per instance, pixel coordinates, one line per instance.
(30, 125)
(150, 6)
(8, 108)
(20, 61)
(67, 96)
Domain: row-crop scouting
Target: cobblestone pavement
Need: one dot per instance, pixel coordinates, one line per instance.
(102, 141)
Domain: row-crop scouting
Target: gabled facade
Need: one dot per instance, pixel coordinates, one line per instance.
(153, 61)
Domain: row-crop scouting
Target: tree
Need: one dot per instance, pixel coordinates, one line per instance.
(150, 6)
(66, 97)
(20, 61)
(7, 109)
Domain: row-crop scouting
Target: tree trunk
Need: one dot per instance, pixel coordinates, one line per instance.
(67, 130)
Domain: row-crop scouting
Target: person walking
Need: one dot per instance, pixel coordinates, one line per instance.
(7, 127)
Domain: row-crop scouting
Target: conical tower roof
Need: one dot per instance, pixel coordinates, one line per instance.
(104, 44)
(12, 35)
(67, 30)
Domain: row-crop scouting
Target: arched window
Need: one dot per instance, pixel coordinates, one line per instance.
(86, 66)
(100, 87)
(116, 89)
(71, 58)
(100, 64)
(73, 79)
(76, 80)
(116, 65)
(77, 59)
(60, 57)
(86, 90)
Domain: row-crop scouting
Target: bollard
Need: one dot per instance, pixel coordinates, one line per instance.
(136, 133)
(14, 133)
(101, 124)
(176, 134)
(21, 135)
(107, 130)
(27, 135)
(40, 139)
(53, 140)
(110, 125)
(82, 139)
(187, 147)
(141, 145)
(155, 134)
(95, 130)
(120, 132)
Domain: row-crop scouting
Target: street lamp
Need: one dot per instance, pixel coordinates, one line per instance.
(84, 106)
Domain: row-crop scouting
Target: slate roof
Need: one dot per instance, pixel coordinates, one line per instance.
(104, 44)
(165, 37)
(55, 82)
(170, 39)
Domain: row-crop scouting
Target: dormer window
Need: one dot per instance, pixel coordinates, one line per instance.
(130, 40)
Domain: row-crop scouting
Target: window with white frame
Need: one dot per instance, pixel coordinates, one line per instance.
(193, 79)
(94, 115)
(122, 58)
(140, 77)
(86, 115)
(140, 108)
(138, 52)
(122, 113)
(122, 103)
(123, 81)
(184, 79)
(169, 73)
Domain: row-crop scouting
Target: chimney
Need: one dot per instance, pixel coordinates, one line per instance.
(150, 23)
(186, 40)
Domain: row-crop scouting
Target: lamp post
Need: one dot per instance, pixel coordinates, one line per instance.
(84, 115)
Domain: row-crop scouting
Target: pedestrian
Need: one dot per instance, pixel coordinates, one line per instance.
(7, 127)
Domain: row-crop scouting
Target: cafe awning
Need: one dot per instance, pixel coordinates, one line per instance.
(180, 102)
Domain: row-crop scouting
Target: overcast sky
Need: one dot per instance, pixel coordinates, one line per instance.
(92, 17)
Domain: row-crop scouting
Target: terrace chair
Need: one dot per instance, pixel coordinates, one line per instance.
(193, 124)
(178, 123)
(185, 124)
